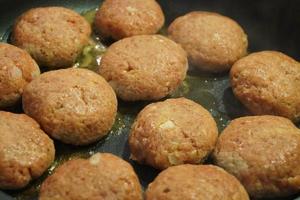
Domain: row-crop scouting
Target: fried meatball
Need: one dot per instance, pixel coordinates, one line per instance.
(213, 42)
(53, 36)
(263, 152)
(124, 18)
(17, 69)
(102, 176)
(268, 83)
(172, 132)
(190, 182)
(145, 67)
(25, 150)
(76, 106)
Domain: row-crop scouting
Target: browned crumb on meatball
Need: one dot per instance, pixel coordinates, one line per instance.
(201, 182)
(145, 67)
(172, 132)
(102, 176)
(17, 69)
(25, 150)
(213, 42)
(76, 106)
(268, 82)
(54, 36)
(124, 18)
(263, 152)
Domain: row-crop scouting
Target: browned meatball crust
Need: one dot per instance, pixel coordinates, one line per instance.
(213, 42)
(145, 67)
(76, 106)
(102, 176)
(190, 182)
(53, 36)
(124, 18)
(25, 150)
(17, 69)
(263, 152)
(172, 132)
(268, 83)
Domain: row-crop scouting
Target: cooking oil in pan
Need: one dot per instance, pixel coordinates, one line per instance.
(211, 91)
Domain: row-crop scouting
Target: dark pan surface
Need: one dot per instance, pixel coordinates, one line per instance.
(270, 25)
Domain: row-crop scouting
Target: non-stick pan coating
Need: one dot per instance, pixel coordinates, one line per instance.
(270, 25)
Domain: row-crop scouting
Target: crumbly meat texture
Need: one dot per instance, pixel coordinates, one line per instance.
(17, 69)
(53, 36)
(25, 150)
(263, 152)
(76, 106)
(146, 67)
(103, 176)
(189, 182)
(268, 83)
(172, 132)
(124, 18)
(213, 42)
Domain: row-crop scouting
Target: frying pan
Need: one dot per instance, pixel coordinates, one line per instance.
(270, 25)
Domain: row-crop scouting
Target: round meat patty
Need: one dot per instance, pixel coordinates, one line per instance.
(76, 106)
(263, 152)
(190, 182)
(25, 150)
(268, 83)
(102, 176)
(124, 18)
(17, 69)
(172, 132)
(53, 36)
(145, 67)
(213, 42)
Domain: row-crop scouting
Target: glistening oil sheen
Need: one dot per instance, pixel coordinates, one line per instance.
(209, 90)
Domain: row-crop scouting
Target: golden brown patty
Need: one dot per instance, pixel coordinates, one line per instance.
(145, 67)
(54, 36)
(17, 69)
(25, 150)
(190, 182)
(172, 132)
(102, 176)
(268, 82)
(76, 106)
(213, 42)
(124, 18)
(263, 152)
